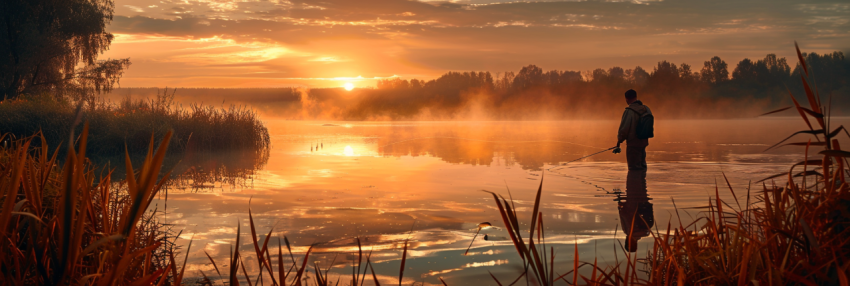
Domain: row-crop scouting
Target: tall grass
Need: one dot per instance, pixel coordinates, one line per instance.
(66, 225)
(295, 272)
(70, 226)
(794, 231)
(129, 123)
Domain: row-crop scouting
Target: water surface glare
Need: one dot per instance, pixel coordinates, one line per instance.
(326, 183)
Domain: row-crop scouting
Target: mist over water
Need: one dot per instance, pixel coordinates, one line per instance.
(409, 159)
(328, 182)
(717, 90)
(473, 104)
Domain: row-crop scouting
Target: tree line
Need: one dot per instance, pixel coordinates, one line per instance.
(761, 83)
(759, 78)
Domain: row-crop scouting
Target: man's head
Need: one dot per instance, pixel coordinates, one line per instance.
(631, 96)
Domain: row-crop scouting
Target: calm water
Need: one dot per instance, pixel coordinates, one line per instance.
(326, 183)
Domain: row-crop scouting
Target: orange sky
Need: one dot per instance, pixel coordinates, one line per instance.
(273, 43)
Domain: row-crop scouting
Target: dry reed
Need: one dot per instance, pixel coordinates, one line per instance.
(67, 226)
(795, 231)
(195, 128)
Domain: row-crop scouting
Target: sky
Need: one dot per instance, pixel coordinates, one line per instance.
(328, 43)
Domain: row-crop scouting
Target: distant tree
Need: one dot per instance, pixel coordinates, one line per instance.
(686, 74)
(714, 71)
(393, 83)
(599, 76)
(505, 82)
(415, 83)
(552, 77)
(776, 66)
(569, 77)
(54, 45)
(639, 76)
(462, 81)
(528, 77)
(772, 72)
(745, 71)
(664, 76)
(832, 72)
(763, 78)
(616, 74)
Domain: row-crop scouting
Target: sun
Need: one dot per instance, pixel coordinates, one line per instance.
(348, 86)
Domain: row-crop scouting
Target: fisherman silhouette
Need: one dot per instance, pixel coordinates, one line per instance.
(636, 216)
(635, 129)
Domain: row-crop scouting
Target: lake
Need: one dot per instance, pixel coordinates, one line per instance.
(326, 183)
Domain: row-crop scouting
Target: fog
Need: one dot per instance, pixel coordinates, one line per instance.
(670, 90)
(473, 104)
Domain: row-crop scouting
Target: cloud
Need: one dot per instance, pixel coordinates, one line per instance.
(134, 8)
(426, 38)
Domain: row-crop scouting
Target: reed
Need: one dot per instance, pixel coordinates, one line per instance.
(292, 271)
(794, 231)
(129, 123)
(65, 225)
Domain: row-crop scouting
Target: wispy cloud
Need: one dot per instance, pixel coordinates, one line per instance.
(426, 38)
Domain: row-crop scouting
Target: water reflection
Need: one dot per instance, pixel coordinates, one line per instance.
(198, 171)
(636, 216)
(208, 171)
(376, 179)
(532, 145)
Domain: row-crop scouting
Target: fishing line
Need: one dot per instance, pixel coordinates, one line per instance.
(591, 155)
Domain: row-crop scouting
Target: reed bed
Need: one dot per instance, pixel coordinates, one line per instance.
(794, 230)
(291, 270)
(129, 123)
(67, 225)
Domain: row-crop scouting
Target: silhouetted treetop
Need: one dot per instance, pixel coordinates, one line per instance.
(766, 78)
(43, 43)
(714, 71)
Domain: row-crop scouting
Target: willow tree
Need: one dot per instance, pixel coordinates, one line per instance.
(53, 46)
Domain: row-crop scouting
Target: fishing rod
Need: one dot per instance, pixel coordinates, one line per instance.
(615, 148)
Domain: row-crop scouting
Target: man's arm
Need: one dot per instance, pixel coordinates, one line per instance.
(625, 126)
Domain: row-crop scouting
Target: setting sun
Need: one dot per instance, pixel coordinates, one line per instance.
(255, 102)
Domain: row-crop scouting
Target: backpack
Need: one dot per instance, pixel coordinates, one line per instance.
(645, 129)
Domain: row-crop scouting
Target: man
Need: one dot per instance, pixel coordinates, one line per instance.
(635, 147)
(636, 215)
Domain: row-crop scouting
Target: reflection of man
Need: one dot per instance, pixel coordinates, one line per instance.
(636, 215)
(635, 147)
